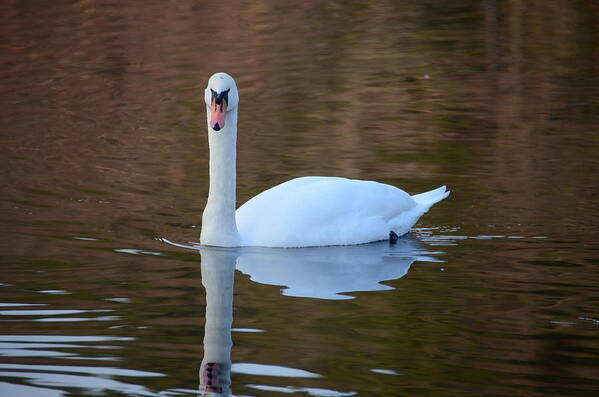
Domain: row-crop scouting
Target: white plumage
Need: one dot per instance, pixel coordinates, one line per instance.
(317, 211)
(302, 212)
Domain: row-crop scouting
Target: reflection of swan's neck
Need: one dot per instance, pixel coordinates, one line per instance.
(218, 220)
(218, 272)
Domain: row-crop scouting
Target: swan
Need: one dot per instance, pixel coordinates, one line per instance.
(303, 212)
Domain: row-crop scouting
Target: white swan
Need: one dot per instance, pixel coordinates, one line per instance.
(302, 212)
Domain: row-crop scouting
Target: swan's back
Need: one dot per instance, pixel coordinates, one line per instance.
(318, 211)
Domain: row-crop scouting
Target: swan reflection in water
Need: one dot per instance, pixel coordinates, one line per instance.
(320, 272)
(327, 272)
(218, 273)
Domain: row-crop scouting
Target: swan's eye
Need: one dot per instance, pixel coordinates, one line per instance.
(218, 98)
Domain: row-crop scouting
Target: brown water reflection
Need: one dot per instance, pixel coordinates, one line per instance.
(103, 139)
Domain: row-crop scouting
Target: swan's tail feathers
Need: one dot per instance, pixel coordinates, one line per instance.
(427, 199)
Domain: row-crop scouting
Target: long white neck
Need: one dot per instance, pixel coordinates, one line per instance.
(219, 227)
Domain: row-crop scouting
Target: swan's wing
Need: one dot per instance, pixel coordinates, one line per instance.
(313, 211)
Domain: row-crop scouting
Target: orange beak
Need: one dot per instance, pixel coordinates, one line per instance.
(218, 114)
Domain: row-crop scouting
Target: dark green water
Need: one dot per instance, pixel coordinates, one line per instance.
(104, 162)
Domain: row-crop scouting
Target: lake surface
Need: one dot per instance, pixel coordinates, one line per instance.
(104, 292)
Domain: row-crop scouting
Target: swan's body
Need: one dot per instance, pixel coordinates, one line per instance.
(315, 211)
(303, 212)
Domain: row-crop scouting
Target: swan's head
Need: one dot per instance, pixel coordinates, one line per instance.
(221, 97)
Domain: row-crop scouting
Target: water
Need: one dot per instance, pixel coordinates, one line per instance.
(104, 178)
